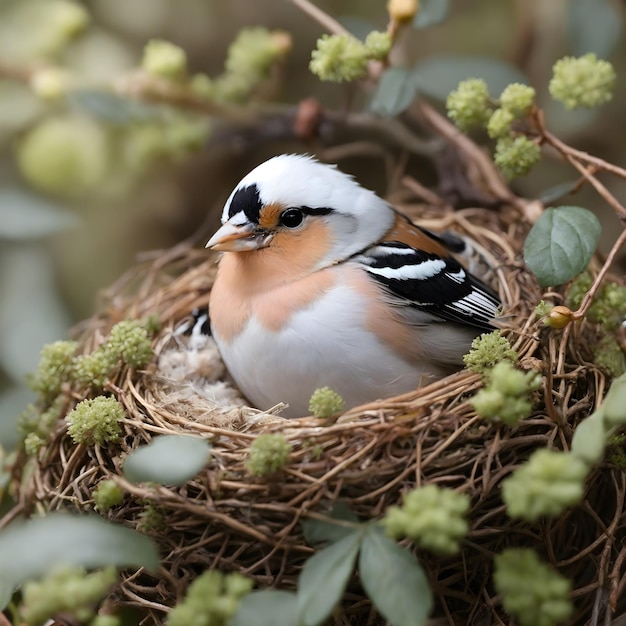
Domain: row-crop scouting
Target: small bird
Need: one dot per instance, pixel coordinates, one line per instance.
(324, 284)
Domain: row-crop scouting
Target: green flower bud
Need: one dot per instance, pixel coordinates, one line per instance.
(608, 354)
(378, 45)
(67, 18)
(582, 82)
(211, 600)
(338, 58)
(164, 60)
(515, 157)
(517, 99)
(107, 494)
(531, 591)
(50, 83)
(54, 368)
(202, 87)
(468, 105)
(543, 309)
(512, 382)
(499, 124)
(33, 443)
(268, 454)
(434, 518)
(67, 156)
(150, 519)
(93, 370)
(609, 306)
(96, 421)
(546, 484)
(325, 403)
(578, 289)
(65, 590)
(130, 341)
(487, 350)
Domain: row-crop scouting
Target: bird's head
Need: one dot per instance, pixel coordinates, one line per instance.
(292, 201)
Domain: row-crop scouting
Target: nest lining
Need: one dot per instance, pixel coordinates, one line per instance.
(369, 457)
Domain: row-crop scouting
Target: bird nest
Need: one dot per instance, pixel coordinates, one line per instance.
(369, 457)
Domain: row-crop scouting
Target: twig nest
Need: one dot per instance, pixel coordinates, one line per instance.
(235, 517)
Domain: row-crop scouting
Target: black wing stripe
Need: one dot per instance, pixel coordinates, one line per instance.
(431, 284)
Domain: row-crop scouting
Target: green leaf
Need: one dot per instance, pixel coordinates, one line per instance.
(614, 407)
(593, 26)
(589, 439)
(319, 531)
(431, 12)
(394, 580)
(13, 403)
(267, 608)
(30, 549)
(395, 91)
(167, 460)
(31, 310)
(112, 108)
(561, 243)
(25, 215)
(438, 76)
(556, 192)
(324, 578)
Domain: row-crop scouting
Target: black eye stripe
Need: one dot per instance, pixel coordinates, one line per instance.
(315, 211)
(247, 200)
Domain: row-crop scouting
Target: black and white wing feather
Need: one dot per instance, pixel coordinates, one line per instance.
(436, 286)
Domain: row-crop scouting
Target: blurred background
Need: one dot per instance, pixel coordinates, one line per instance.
(94, 172)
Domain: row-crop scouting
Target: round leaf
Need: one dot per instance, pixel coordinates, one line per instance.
(324, 578)
(30, 549)
(168, 460)
(431, 12)
(267, 608)
(561, 244)
(438, 76)
(394, 580)
(590, 439)
(24, 215)
(320, 531)
(394, 93)
(593, 26)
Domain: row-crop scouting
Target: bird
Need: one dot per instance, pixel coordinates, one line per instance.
(322, 283)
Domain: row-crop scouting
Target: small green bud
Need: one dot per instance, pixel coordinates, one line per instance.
(378, 45)
(434, 518)
(468, 105)
(93, 370)
(338, 58)
(515, 157)
(578, 290)
(65, 590)
(517, 99)
(548, 483)
(67, 156)
(107, 494)
(164, 60)
(67, 18)
(50, 83)
(499, 124)
(543, 309)
(268, 454)
(150, 518)
(531, 591)
(211, 600)
(487, 350)
(55, 367)
(33, 443)
(608, 355)
(96, 421)
(325, 403)
(202, 87)
(609, 306)
(582, 82)
(130, 341)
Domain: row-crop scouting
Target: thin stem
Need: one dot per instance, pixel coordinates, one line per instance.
(584, 305)
(321, 17)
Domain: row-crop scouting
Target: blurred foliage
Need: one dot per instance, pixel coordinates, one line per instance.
(124, 126)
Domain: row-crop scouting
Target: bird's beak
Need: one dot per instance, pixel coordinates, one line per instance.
(238, 238)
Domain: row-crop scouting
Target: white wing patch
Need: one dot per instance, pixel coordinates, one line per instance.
(417, 271)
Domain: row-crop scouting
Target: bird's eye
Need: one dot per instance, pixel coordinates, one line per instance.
(291, 218)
